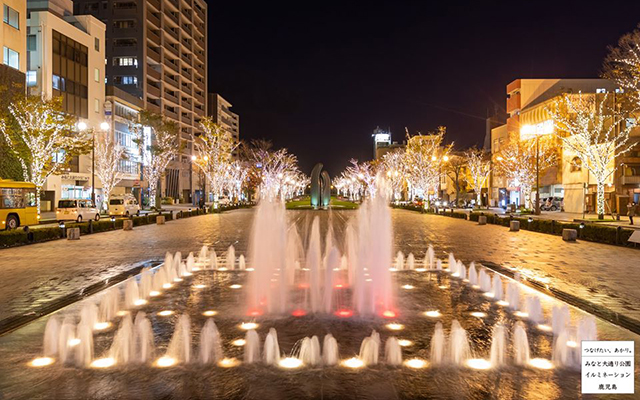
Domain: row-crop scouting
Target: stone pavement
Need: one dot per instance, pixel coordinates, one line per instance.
(33, 275)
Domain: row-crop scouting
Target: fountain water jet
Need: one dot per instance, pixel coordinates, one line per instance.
(559, 318)
(411, 262)
(393, 352)
(210, 343)
(66, 339)
(473, 274)
(231, 258)
(438, 341)
(497, 288)
(459, 350)
(498, 346)
(251, 347)
(179, 348)
(521, 350)
(485, 281)
(143, 342)
(121, 350)
(429, 258)
(400, 261)
(271, 352)
(370, 349)
(310, 351)
(513, 295)
(534, 309)
(330, 355)
(51, 337)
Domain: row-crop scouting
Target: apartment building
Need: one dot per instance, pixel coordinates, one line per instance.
(13, 36)
(157, 51)
(220, 112)
(66, 59)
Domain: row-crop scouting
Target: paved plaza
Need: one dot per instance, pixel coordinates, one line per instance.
(33, 275)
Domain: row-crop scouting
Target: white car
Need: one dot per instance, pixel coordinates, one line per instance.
(76, 210)
(124, 206)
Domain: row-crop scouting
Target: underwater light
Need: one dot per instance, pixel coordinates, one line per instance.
(442, 287)
(209, 313)
(478, 314)
(502, 303)
(73, 342)
(167, 286)
(395, 327)
(165, 361)
(405, 342)
(100, 326)
(541, 363)
(239, 342)
(228, 362)
(235, 286)
(352, 363)
(154, 293)
(139, 302)
(103, 362)
(248, 325)
(200, 286)
(545, 328)
(488, 294)
(478, 363)
(421, 270)
(571, 343)
(432, 314)
(165, 313)
(415, 363)
(408, 287)
(290, 362)
(389, 314)
(299, 313)
(41, 362)
(521, 314)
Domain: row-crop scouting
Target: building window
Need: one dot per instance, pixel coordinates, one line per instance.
(96, 74)
(124, 5)
(69, 65)
(11, 17)
(32, 79)
(125, 61)
(124, 24)
(126, 80)
(96, 105)
(128, 42)
(601, 90)
(96, 43)
(11, 58)
(576, 164)
(31, 43)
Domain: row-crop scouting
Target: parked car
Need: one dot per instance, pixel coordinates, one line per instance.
(224, 201)
(76, 210)
(552, 204)
(123, 206)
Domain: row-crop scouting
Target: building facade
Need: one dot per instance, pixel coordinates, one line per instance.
(66, 59)
(220, 112)
(527, 104)
(13, 35)
(382, 143)
(157, 51)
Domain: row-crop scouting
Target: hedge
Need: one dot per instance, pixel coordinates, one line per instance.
(591, 232)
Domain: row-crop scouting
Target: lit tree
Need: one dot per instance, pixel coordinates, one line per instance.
(455, 168)
(517, 159)
(622, 65)
(595, 132)
(43, 138)
(159, 141)
(393, 165)
(426, 155)
(108, 156)
(214, 148)
(364, 172)
(479, 168)
(273, 170)
(237, 177)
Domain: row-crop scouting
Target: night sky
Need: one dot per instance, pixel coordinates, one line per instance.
(318, 77)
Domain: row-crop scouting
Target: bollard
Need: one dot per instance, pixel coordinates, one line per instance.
(160, 220)
(127, 225)
(73, 233)
(569, 235)
(482, 220)
(90, 226)
(514, 226)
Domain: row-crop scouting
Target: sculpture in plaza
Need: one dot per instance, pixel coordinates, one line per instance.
(320, 187)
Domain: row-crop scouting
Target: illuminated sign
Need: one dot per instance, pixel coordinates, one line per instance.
(543, 128)
(382, 138)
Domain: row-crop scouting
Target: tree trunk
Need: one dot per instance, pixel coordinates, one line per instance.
(38, 189)
(152, 193)
(600, 200)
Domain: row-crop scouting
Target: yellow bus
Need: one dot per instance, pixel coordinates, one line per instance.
(17, 204)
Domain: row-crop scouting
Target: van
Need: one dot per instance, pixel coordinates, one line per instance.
(123, 206)
(76, 210)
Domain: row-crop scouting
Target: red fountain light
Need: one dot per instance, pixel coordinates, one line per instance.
(254, 313)
(299, 313)
(344, 313)
(303, 286)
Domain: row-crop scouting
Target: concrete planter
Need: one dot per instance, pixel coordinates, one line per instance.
(514, 226)
(127, 225)
(569, 235)
(482, 220)
(73, 233)
(160, 220)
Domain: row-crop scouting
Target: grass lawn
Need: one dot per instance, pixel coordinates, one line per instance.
(305, 204)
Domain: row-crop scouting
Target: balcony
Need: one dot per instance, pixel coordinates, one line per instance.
(152, 107)
(173, 33)
(153, 54)
(171, 97)
(154, 3)
(172, 17)
(172, 64)
(199, 110)
(152, 89)
(153, 73)
(174, 3)
(630, 180)
(186, 118)
(186, 74)
(172, 49)
(171, 114)
(153, 19)
(154, 37)
(200, 13)
(171, 81)
(199, 98)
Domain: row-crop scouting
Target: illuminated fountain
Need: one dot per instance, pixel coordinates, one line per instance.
(210, 343)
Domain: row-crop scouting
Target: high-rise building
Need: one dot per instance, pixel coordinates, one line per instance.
(382, 143)
(66, 59)
(13, 37)
(157, 51)
(219, 111)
